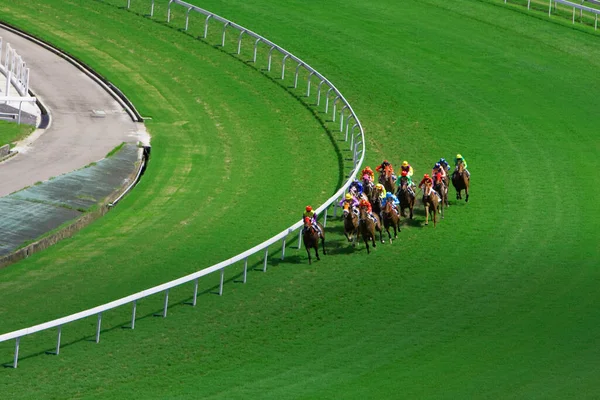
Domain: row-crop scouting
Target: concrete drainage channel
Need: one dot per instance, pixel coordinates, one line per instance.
(41, 215)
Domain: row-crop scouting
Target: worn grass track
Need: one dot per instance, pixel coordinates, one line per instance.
(499, 301)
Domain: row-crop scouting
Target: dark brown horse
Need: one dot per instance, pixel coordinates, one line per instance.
(368, 187)
(350, 224)
(311, 238)
(442, 190)
(391, 218)
(375, 201)
(431, 203)
(387, 180)
(460, 181)
(407, 198)
(368, 227)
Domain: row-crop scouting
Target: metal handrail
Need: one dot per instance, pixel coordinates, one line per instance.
(575, 6)
(358, 158)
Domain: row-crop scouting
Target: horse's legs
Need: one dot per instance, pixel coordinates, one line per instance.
(366, 240)
(373, 238)
(308, 252)
(426, 213)
(317, 251)
(466, 191)
(323, 241)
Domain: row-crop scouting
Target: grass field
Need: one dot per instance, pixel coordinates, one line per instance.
(10, 132)
(499, 301)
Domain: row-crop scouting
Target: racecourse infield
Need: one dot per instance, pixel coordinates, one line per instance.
(498, 301)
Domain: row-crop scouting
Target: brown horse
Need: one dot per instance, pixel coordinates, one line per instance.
(391, 218)
(431, 203)
(368, 187)
(368, 227)
(311, 238)
(375, 201)
(460, 181)
(442, 190)
(387, 180)
(350, 224)
(407, 198)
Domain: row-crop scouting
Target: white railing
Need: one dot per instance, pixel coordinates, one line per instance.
(16, 72)
(348, 124)
(575, 6)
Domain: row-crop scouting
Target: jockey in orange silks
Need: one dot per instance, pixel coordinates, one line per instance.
(368, 172)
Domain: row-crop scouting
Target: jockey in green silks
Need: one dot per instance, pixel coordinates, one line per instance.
(460, 159)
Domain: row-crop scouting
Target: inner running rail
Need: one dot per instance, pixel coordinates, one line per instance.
(357, 147)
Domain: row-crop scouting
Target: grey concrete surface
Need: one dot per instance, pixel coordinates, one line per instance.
(31, 212)
(74, 138)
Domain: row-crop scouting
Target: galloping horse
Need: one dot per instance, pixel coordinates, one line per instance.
(431, 203)
(368, 186)
(407, 198)
(375, 201)
(386, 179)
(350, 224)
(311, 238)
(391, 218)
(460, 181)
(442, 190)
(368, 227)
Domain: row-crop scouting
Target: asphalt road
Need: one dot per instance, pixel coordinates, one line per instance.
(75, 138)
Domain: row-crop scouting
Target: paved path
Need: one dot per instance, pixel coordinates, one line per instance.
(74, 138)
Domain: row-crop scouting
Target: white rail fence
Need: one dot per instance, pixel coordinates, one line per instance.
(13, 67)
(349, 126)
(575, 6)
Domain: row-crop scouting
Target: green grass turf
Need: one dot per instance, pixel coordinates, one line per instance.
(10, 132)
(498, 301)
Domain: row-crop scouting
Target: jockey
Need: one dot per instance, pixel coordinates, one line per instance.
(384, 164)
(391, 197)
(438, 169)
(382, 192)
(406, 167)
(312, 217)
(356, 187)
(368, 172)
(350, 200)
(444, 164)
(427, 179)
(411, 184)
(460, 159)
(367, 204)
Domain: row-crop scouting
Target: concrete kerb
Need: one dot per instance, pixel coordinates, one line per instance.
(85, 219)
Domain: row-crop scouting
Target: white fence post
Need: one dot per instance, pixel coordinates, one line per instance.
(98, 326)
(57, 352)
(283, 248)
(245, 269)
(195, 293)
(133, 311)
(266, 259)
(166, 303)
(221, 282)
(16, 358)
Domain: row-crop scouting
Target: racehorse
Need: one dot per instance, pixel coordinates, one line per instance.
(442, 190)
(311, 238)
(375, 201)
(407, 198)
(387, 180)
(460, 181)
(431, 203)
(368, 227)
(391, 218)
(368, 186)
(350, 224)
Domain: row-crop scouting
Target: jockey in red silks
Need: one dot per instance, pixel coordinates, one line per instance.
(384, 164)
(427, 179)
(439, 169)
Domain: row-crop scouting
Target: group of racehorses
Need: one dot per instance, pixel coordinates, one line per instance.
(360, 221)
